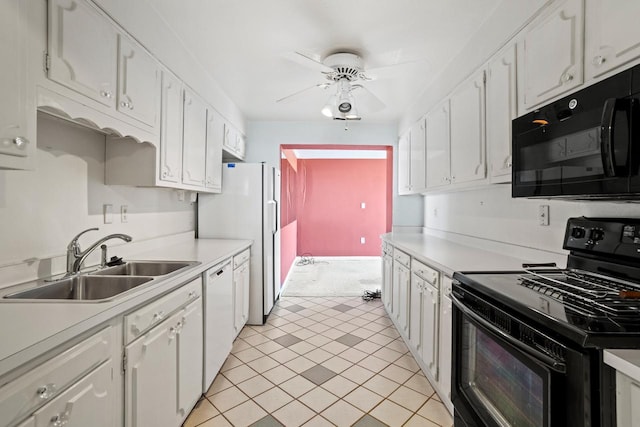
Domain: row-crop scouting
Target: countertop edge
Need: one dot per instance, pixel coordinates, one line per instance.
(626, 361)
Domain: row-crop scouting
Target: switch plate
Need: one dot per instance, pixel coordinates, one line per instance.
(107, 212)
(543, 215)
(180, 195)
(362, 240)
(362, 205)
(124, 213)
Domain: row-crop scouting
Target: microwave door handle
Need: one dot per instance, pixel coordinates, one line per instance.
(606, 136)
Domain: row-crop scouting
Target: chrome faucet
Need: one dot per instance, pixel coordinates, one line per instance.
(76, 256)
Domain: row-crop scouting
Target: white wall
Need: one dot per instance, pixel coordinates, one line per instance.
(41, 210)
(264, 140)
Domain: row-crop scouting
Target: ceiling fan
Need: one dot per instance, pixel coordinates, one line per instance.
(342, 70)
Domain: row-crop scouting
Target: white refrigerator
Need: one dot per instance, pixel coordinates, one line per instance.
(248, 208)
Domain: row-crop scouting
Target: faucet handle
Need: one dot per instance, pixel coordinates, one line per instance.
(74, 242)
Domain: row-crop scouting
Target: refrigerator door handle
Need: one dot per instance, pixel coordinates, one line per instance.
(273, 220)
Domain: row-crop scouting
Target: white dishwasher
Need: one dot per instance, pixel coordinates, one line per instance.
(218, 319)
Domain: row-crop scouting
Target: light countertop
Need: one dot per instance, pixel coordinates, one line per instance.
(625, 361)
(29, 329)
(448, 256)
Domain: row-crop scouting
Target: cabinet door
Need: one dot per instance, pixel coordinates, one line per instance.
(418, 159)
(445, 344)
(395, 289)
(404, 164)
(229, 140)
(404, 279)
(171, 130)
(437, 122)
(241, 147)
(246, 281)
(151, 388)
(552, 54)
(194, 140)
(612, 35)
(501, 109)
(240, 293)
(83, 50)
(138, 82)
(415, 313)
(190, 353)
(467, 131)
(17, 109)
(89, 402)
(387, 281)
(430, 337)
(215, 134)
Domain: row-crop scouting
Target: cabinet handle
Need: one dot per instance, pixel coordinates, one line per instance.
(123, 104)
(599, 60)
(106, 94)
(158, 316)
(192, 294)
(60, 420)
(46, 391)
(566, 77)
(130, 106)
(20, 141)
(164, 174)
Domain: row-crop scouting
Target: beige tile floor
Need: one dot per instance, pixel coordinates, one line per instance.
(321, 361)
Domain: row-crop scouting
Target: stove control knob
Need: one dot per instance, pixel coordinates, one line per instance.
(577, 232)
(596, 234)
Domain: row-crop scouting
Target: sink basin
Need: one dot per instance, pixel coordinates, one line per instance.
(82, 288)
(144, 268)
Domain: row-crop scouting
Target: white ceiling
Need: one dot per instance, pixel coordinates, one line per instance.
(244, 44)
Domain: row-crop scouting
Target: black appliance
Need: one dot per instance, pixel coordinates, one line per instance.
(585, 145)
(528, 345)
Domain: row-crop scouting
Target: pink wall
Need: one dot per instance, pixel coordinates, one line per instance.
(330, 218)
(288, 238)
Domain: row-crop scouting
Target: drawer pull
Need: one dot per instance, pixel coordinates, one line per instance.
(46, 391)
(192, 294)
(158, 316)
(60, 420)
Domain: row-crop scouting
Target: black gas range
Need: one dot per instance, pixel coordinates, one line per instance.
(528, 344)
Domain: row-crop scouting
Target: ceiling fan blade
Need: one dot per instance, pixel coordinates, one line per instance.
(367, 100)
(309, 62)
(295, 95)
(389, 71)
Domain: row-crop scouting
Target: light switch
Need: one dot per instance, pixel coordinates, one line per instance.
(363, 205)
(124, 213)
(107, 211)
(362, 240)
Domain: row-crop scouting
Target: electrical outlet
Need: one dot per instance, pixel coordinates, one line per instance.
(124, 213)
(543, 215)
(362, 240)
(107, 213)
(180, 195)
(435, 212)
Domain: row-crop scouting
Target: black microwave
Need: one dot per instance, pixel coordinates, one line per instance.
(583, 146)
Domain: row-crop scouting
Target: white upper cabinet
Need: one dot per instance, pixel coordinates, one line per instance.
(138, 82)
(417, 176)
(501, 110)
(194, 140)
(467, 131)
(171, 130)
(83, 50)
(404, 164)
(215, 134)
(438, 168)
(551, 55)
(17, 108)
(612, 35)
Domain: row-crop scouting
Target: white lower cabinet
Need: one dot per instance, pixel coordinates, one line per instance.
(241, 279)
(163, 366)
(422, 314)
(627, 400)
(89, 402)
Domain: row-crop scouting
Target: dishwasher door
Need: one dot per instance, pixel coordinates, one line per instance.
(218, 319)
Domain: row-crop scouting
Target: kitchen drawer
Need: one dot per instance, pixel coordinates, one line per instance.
(425, 272)
(140, 321)
(241, 258)
(401, 257)
(43, 383)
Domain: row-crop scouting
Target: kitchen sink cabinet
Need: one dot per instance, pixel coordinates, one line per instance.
(550, 55)
(501, 110)
(163, 367)
(17, 108)
(612, 35)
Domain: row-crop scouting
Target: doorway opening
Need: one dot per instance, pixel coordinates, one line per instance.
(336, 201)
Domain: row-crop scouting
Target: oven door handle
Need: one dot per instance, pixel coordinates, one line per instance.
(550, 362)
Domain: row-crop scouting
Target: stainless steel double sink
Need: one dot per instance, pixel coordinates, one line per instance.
(103, 284)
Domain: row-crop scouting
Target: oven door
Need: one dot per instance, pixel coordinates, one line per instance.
(499, 380)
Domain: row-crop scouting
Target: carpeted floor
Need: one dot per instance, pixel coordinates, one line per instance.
(334, 276)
